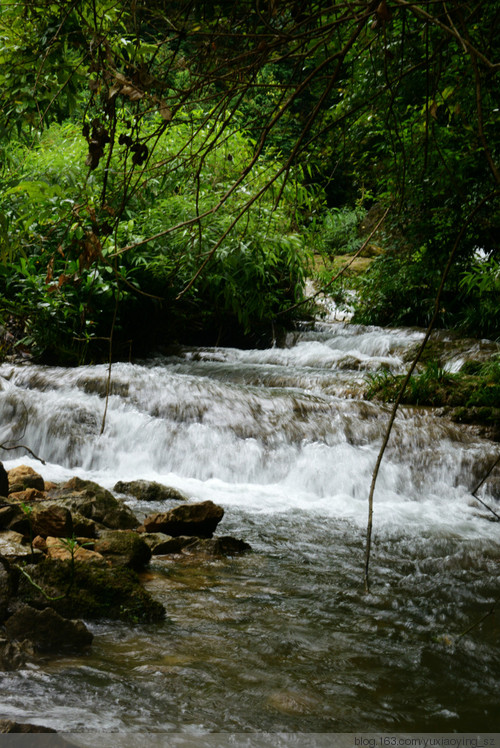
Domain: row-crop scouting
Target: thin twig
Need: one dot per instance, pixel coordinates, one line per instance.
(23, 446)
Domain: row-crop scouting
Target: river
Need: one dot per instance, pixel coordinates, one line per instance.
(283, 639)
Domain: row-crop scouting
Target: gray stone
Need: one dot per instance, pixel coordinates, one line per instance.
(146, 490)
(95, 503)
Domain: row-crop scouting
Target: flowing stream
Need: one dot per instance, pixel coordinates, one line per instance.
(283, 639)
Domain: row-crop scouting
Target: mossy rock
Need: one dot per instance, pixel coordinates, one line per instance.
(95, 592)
(123, 548)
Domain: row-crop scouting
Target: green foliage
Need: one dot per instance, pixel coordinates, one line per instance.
(476, 386)
(338, 233)
(64, 278)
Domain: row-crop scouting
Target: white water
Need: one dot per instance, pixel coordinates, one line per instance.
(264, 430)
(282, 439)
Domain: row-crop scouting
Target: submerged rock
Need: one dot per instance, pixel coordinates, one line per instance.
(47, 630)
(23, 477)
(211, 547)
(88, 591)
(146, 490)
(223, 546)
(123, 548)
(200, 520)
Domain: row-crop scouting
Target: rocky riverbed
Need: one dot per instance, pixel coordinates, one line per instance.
(73, 551)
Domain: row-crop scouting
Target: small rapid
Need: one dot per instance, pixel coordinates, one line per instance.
(284, 441)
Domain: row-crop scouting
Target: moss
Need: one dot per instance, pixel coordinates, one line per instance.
(91, 592)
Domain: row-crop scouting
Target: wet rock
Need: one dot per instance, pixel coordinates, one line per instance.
(89, 591)
(96, 503)
(12, 517)
(145, 490)
(223, 546)
(8, 726)
(4, 481)
(173, 545)
(24, 477)
(12, 657)
(83, 526)
(6, 587)
(123, 548)
(47, 630)
(163, 545)
(59, 550)
(28, 496)
(13, 547)
(198, 519)
(52, 520)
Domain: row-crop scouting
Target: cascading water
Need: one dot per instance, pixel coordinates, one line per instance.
(282, 639)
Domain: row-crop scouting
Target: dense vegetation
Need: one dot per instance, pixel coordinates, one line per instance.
(167, 170)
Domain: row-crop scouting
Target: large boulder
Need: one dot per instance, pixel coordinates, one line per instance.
(47, 630)
(23, 477)
(123, 548)
(4, 481)
(95, 503)
(51, 520)
(90, 591)
(198, 519)
(146, 490)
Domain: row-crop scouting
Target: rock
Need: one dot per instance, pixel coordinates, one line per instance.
(160, 544)
(198, 519)
(58, 550)
(212, 547)
(83, 526)
(24, 477)
(4, 481)
(12, 657)
(168, 544)
(47, 630)
(11, 547)
(28, 496)
(145, 490)
(52, 520)
(89, 591)
(123, 548)
(6, 587)
(95, 503)
(223, 546)
(12, 517)
(8, 726)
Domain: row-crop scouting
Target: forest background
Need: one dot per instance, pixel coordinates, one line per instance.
(171, 171)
